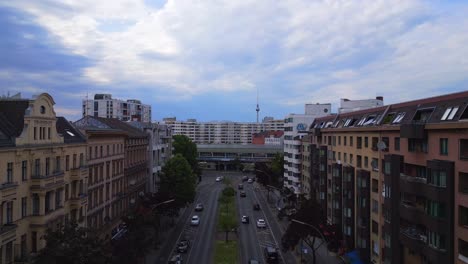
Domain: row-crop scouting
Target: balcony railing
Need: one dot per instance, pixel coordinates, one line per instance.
(415, 234)
(7, 185)
(413, 178)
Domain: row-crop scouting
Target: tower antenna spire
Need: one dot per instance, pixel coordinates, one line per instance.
(258, 107)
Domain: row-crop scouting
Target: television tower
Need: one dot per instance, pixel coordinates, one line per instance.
(258, 107)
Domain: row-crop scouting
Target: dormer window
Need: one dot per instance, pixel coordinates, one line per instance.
(42, 109)
(398, 118)
(450, 113)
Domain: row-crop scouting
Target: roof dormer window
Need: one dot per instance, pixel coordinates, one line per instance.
(450, 113)
(42, 109)
(399, 117)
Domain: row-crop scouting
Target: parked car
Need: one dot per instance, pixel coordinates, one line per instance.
(199, 207)
(176, 259)
(183, 246)
(218, 179)
(261, 223)
(253, 261)
(195, 220)
(240, 186)
(245, 219)
(271, 255)
(245, 178)
(250, 180)
(256, 207)
(243, 194)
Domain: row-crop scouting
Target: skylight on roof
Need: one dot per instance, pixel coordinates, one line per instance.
(398, 118)
(450, 113)
(453, 113)
(70, 133)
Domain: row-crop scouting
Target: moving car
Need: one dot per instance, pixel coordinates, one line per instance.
(245, 219)
(176, 259)
(261, 223)
(271, 255)
(243, 194)
(199, 207)
(218, 179)
(195, 220)
(240, 186)
(256, 207)
(245, 178)
(183, 246)
(250, 181)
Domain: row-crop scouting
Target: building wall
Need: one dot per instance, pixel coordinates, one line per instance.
(106, 107)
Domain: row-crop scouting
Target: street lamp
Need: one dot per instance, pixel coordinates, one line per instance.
(317, 230)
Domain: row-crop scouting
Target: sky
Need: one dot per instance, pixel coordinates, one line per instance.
(206, 59)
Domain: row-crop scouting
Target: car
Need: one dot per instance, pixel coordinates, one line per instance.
(245, 178)
(195, 220)
(243, 194)
(261, 223)
(240, 186)
(176, 259)
(271, 255)
(199, 207)
(249, 180)
(183, 246)
(245, 219)
(218, 179)
(253, 261)
(256, 207)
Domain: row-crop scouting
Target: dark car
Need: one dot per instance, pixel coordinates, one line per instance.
(183, 246)
(245, 178)
(243, 194)
(271, 255)
(245, 219)
(199, 207)
(240, 186)
(176, 259)
(256, 207)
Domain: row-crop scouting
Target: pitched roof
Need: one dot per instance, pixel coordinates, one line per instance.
(12, 117)
(69, 132)
(110, 124)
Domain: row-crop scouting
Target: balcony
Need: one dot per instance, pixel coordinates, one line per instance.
(7, 230)
(412, 213)
(46, 182)
(8, 188)
(78, 173)
(416, 240)
(78, 201)
(413, 130)
(38, 220)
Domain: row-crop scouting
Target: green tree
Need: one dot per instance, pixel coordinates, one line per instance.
(184, 146)
(277, 165)
(178, 181)
(73, 245)
(228, 218)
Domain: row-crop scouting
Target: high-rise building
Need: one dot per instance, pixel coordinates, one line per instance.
(295, 127)
(393, 179)
(221, 132)
(103, 105)
(45, 182)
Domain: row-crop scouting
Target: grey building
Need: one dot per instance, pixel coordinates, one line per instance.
(103, 105)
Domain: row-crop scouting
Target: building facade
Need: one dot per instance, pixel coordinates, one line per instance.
(222, 132)
(347, 105)
(45, 181)
(268, 138)
(103, 105)
(395, 179)
(295, 127)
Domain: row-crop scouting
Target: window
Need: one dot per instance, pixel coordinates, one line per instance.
(35, 133)
(37, 167)
(375, 206)
(58, 198)
(34, 242)
(443, 146)
(398, 118)
(74, 161)
(375, 227)
(57, 164)
(436, 240)
(24, 207)
(351, 140)
(464, 149)
(9, 212)
(101, 151)
(437, 178)
(9, 178)
(9, 253)
(24, 170)
(463, 183)
(48, 133)
(81, 160)
(339, 140)
(359, 142)
(397, 143)
(375, 185)
(366, 162)
(344, 140)
(47, 166)
(67, 162)
(366, 142)
(450, 113)
(24, 247)
(417, 145)
(90, 152)
(359, 161)
(435, 208)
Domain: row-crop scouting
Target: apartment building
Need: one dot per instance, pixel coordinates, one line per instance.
(347, 105)
(44, 160)
(103, 105)
(396, 179)
(159, 151)
(221, 132)
(118, 161)
(295, 127)
(268, 138)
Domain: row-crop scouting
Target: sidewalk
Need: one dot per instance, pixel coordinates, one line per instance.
(322, 255)
(166, 231)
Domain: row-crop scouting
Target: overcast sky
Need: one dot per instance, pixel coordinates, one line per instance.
(205, 59)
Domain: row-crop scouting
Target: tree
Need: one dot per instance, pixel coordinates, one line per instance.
(73, 245)
(228, 220)
(277, 165)
(312, 214)
(178, 181)
(271, 173)
(184, 146)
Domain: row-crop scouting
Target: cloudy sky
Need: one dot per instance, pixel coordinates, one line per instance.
(205, 59)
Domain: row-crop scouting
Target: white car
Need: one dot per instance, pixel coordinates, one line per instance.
(249, 180)
(195, 220)
(218, 179)
(261, 223)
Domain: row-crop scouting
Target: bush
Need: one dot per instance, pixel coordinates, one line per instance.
(229, 191)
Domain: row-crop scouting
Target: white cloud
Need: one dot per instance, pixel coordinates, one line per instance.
(300, 51)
